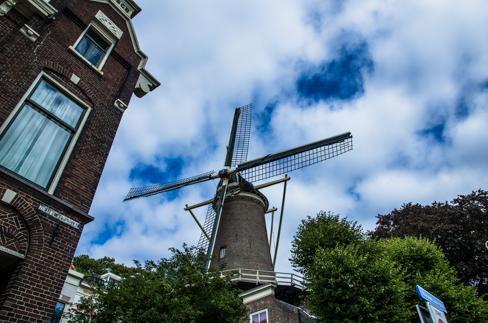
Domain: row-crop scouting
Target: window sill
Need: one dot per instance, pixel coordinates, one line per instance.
(84, 60)
(31, 189)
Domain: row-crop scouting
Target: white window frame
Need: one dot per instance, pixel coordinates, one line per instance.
(259, 312)
(69, 149)
(222, 251)
(103, 34)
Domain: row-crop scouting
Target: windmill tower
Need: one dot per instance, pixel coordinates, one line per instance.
(234, 233)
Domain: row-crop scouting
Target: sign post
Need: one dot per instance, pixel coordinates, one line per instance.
(435, 306)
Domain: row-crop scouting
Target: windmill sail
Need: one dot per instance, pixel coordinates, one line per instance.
(240, 134)
(207, 226)
(237, 151)
(253, 171)
(221, 194)
(243, 134)
(296, 158)
(265, 167)
(137, 192)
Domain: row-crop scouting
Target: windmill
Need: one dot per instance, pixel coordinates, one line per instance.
(234, 232)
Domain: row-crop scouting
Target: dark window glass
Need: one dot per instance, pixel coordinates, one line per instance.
(58, 312)
(92, 47)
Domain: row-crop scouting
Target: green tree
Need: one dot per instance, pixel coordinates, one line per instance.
(354, 283)
(459, 227)
(325, 231)
(374, 280)
(423, 263)
(176, 289)
(97, 267)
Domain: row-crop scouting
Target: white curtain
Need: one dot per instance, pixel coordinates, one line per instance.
(88, 49)
(57, 103)
(33, 144)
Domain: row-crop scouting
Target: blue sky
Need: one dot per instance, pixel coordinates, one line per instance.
(409, 79)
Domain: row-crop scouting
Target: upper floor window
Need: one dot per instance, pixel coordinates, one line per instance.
(259, 317)
(92, 47)
(38, 136)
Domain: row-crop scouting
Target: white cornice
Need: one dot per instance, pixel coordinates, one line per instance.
(6, 6)
(257, 293)
(40, 6)
(43, 7)
(146, 81)
(128, 7)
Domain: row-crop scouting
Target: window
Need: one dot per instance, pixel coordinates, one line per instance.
(58, 312)
(222, 253)
(93, 47)
(259, 317)
(37, 138)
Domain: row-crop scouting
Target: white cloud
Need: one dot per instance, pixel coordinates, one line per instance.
(214, 55)
(390, 189)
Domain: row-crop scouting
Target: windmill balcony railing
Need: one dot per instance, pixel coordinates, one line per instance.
(264, 277)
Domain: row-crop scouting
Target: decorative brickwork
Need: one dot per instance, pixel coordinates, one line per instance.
(14, 234)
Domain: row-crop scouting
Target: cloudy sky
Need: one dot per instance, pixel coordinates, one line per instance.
(409, 79)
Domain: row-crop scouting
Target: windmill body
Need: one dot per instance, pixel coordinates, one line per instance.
(241, 240)
(234, 233)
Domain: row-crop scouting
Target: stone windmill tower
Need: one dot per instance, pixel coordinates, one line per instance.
(234, 233)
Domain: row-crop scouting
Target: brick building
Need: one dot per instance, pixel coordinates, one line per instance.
(67, 72)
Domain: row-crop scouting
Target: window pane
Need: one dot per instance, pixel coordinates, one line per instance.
(83, 45)
(58, 312)
(87, 48)
(263, 318)
(92, 47)
(94, 55)
(57, 103)
(255, 318)
(99, 41)
(32, 146)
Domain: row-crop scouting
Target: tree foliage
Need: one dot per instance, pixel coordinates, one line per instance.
(170, 290)
(459, 227)
(423, 263)
(354, 283)
(327, 230)
(89, 266)
(374, 280)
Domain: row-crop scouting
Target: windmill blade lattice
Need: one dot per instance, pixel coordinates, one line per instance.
(296, 158)
(242, 136)
(137, 192)
(203, 242)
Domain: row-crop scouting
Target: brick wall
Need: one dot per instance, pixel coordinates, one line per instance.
(33, 286)
(278, 312)
(29, 290)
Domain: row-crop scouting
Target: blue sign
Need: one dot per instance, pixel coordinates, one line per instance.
(428, 297)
